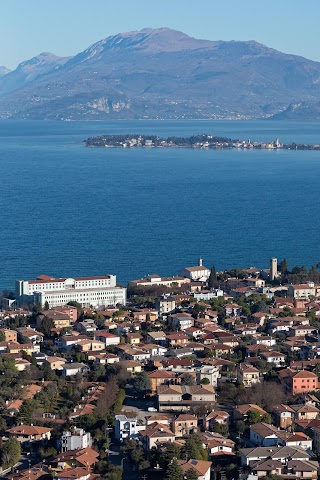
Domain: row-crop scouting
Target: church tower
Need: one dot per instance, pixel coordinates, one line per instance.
(273, 268)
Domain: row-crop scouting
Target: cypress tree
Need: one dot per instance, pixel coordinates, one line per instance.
(213, 277)
(174, 471)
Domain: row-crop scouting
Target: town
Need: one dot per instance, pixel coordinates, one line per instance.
(200, 375)
(195, 141)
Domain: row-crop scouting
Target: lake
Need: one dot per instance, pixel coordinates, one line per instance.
(68, 210)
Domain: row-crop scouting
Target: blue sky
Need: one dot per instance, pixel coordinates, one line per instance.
(65, 27)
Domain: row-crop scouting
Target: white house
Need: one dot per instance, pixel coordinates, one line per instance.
(181, 320)
(197, 273)
(208, 295)
(107, 338)
(265, 340)
(67, 342)
(75, 439)
(73, 368)
(264, 435)
(165, 304)
(127, 426)
(156, 337)
(212, 373)
(276, 358)
(86, 326)
(217, 444)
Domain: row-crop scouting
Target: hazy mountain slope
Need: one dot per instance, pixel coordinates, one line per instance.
(162, 74)
(29, 70)
(300, 111)
(4, 70)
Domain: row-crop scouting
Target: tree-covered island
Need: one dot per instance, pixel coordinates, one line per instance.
(195, 141)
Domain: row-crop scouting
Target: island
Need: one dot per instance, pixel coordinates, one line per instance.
(195, 141)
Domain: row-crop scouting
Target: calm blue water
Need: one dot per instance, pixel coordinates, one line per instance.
(69, 210)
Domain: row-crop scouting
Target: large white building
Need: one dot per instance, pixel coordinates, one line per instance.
(89, 291)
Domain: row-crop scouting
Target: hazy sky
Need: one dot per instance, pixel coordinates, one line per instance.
(65, 27)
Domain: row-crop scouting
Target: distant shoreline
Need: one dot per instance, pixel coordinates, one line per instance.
(195, 141)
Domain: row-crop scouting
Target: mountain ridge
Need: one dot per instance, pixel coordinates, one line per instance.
(301, 111)
(29, 70)
(160, 73)
(4, 70)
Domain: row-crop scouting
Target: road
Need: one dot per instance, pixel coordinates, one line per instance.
(26, 461)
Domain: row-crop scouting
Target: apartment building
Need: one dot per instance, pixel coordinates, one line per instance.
(88, 291)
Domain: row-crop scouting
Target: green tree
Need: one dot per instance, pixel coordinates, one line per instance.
(46, 326)
(65, 330)
(141, 385)
(114, 473)
(47, 452)
(188, 379)
(3, 425)
(240, 426)
(197, 309)
(11, 452)
(2, 337)
(193, 448)
(37, 308)
(191, 474)
(260, 306)
(283, 267)
(221, 428)
(253, 417)
(212, 281)
(101, 467)
(174, 471)
(266, 418)
(46, 305)
(48, 374)
(144, 464)
(26, 411)
(173, 451)
(205, 381)
(137, 455)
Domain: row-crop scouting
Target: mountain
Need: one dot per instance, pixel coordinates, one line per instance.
(4, 70)
(160, 73)
(29, 70)
(300, 112)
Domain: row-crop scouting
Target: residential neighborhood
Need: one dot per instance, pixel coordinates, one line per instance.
(203, 375)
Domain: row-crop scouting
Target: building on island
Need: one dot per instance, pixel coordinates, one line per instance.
(88, 291)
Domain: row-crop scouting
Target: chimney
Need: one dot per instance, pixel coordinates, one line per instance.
(200, 262)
